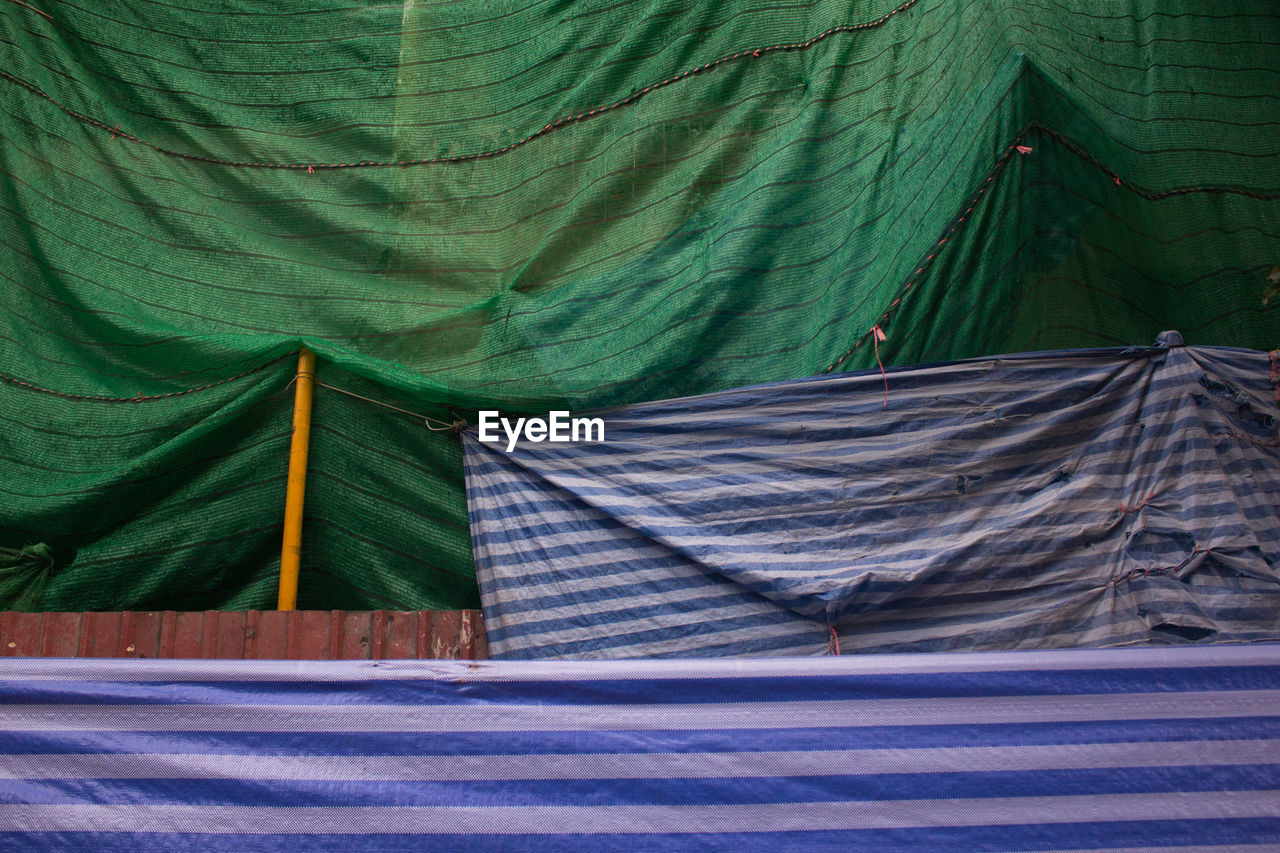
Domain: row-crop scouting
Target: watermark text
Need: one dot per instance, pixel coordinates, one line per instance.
(557, 427)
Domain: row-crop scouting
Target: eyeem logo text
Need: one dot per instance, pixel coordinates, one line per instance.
(557, 427)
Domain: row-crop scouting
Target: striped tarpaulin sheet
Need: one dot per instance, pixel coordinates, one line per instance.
(1040, 500)
(1070, 749)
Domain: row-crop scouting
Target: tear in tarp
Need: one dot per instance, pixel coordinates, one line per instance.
(1040, 500)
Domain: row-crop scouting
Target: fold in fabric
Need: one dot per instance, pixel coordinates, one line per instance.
(1038, 500)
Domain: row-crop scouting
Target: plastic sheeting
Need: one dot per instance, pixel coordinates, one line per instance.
(1112, 749)
(536, 204)
(1040, 500)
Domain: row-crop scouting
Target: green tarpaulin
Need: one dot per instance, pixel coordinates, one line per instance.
(532, 204)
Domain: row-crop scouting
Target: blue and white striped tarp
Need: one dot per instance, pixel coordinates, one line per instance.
(1149, 748)
(1042, 500)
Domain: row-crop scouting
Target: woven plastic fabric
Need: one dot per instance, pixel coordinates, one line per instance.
(1105, 749)
(526, 204)
(1080, 498)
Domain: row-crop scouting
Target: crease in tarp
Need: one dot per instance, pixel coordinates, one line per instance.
(1092, 500)
(724, 227)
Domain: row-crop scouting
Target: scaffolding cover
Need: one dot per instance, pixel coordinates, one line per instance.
(1104, 749)
(1041, 500)
(531, 204)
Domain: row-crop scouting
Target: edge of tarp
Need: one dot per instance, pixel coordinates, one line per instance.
(1167, 340)
(1137, 657)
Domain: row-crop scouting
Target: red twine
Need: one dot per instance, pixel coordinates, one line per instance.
(878, 335)
(1275, 373)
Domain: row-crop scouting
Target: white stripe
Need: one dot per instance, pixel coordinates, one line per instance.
(536, 628)
(883, 450)
(762, 478)
(519, 536)
(721, 600)
(711, 620)
(696, 765)
(538, 820)
(806, 638)
(611, 576)
(647, 717)
(1227, 655)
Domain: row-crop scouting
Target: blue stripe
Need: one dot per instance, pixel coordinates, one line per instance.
(1068, 477)
(1202, 773)
(626, 741)
(621, 792)
(1155, 832)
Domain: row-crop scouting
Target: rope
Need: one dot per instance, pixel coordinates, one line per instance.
(138, 398)
(312, 168)
(33, 9)
(1016, 146)
(445, 426)
(880, 336)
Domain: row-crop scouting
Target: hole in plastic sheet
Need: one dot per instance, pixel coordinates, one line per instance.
(1186, 632)
(1244, 415)
(1258, 419)
(1226, 390)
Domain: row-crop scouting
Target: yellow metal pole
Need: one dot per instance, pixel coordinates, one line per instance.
(291, 554)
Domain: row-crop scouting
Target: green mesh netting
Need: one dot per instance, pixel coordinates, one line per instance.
(525, 204)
